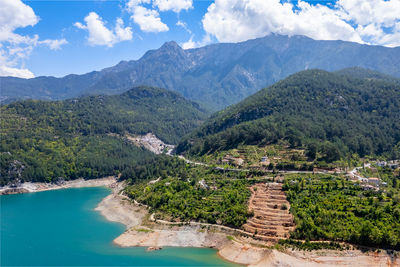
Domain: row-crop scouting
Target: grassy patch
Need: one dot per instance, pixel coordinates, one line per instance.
(229, 237)
(143, 230)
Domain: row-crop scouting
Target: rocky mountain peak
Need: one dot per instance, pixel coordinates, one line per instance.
(170, 45)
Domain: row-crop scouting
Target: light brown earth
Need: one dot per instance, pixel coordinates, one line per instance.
(231, 244)
(37, 187)
(253, 256)
(119, 208)
(151, 143)
(272, 220)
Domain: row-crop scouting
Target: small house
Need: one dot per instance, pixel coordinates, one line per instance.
(373, 181)
(381, 163)
(367, 187)
(393, 164)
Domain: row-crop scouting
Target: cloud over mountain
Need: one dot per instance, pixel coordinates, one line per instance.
(364, 21)
(99, 34)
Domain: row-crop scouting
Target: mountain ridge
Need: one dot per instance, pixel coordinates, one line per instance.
(335, 112)
(86, 136)
(216, 75)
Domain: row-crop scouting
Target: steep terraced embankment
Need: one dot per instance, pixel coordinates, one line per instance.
(272, 220)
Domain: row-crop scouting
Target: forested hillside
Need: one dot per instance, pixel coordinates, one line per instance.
(361, 73)
(42, 140)
(331, 115)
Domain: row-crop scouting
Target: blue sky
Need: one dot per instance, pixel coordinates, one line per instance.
(79, 56)
(61, 37)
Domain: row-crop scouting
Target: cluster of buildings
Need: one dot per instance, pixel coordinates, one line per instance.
(228, 159)
(372, 183)
(393, 164)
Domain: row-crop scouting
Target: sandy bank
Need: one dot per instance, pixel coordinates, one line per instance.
(171, 236)
(118, 208)
(30, 187)
(141, 231)
(262, 257)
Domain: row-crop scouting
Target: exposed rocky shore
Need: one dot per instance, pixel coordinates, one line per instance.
(143, 232)
(30, 187)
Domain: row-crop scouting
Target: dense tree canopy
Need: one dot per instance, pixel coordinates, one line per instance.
(183, 192)
(42, 140)
(331, 208)
(333, 114)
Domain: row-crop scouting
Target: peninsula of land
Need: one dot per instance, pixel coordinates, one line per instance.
(144, 231)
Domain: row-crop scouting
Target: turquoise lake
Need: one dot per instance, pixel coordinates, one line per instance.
(61, 228)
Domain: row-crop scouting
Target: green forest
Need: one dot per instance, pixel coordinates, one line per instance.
(311, 119)
(42, 140)
(325, 207)
(330, 208)
(181, 192)
(331, 114)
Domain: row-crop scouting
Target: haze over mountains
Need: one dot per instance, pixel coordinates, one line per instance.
(215, 75)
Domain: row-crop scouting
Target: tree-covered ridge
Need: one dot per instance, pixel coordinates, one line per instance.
(361, 73)
(324, 112)
(42, 140)
(140, 110)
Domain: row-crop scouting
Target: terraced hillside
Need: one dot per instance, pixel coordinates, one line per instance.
(272, 220)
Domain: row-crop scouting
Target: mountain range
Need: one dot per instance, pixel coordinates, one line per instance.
(216, 75)
(330, 114)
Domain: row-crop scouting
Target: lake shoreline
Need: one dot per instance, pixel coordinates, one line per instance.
(30, 187)
(141, 231)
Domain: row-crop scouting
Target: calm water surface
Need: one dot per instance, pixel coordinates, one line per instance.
(61, 228)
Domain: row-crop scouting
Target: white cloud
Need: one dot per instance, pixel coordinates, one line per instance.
(15, 72)
(15, 14)
(192, 44)
(80, 26)
(174, 5)
(15, 48)
(99, 34)
(376, 20)
(363, 21)
(148, 20)
(54, 44)
(184, 26)
(123, 34)
(189, 44)
(133, 3)
(365, 12)
(162, 5)
(239, 20)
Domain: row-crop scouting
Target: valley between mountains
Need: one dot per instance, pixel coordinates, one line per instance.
(304, 172)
